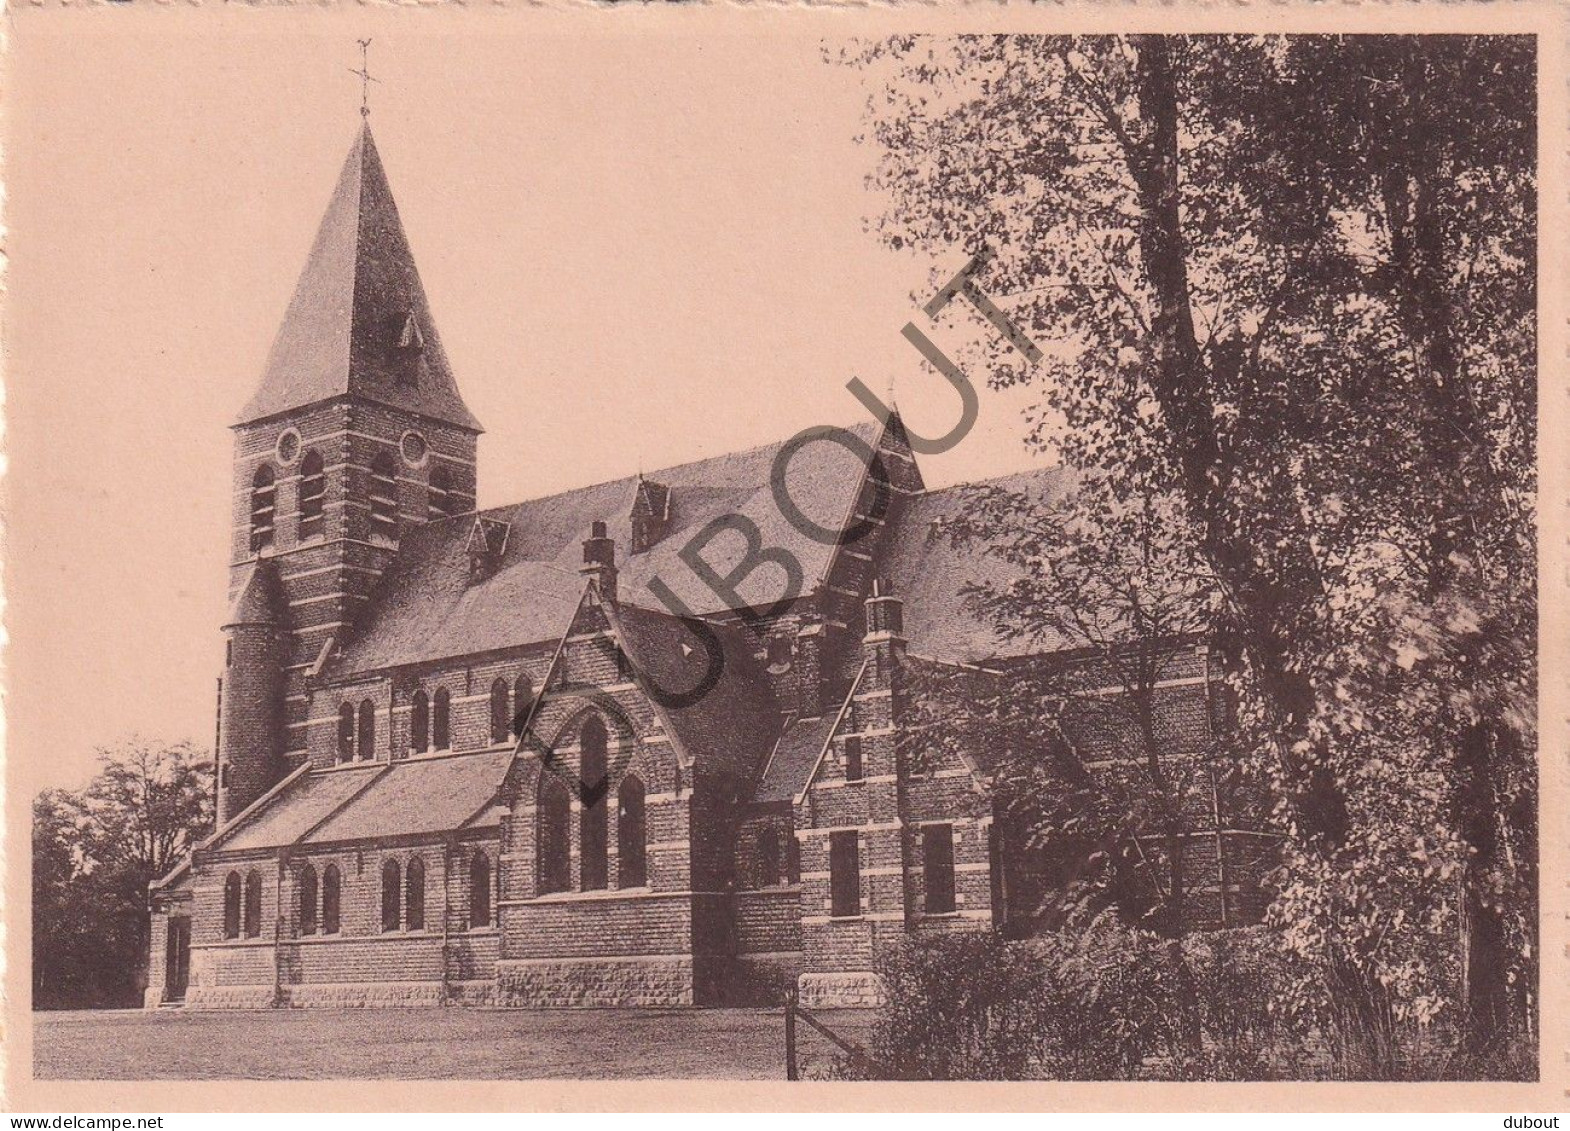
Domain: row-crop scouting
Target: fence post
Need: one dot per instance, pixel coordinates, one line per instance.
(790, 1035)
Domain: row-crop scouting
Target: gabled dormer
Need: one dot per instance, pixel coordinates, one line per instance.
(651, 514)
(487, 543)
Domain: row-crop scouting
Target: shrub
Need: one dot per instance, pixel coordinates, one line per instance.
(1106, 1002)
(966, 1006)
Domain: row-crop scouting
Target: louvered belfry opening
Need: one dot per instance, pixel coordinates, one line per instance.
(384, 498)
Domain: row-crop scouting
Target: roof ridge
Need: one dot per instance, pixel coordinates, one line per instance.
(995, 479)
(633, 478)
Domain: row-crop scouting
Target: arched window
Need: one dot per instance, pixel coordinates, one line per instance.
(313, 492)
(480, 891)
(522, 700)
(392, 892)
(768, 858)
(367, 744)
(499, 718)
(384, 498)
(553, 819)
(631, 853)
(346, 733)
(253, 905)
(414, 894)
(441, 720)
(592, 824)
(332, 893)
(308, 899)
(232, 906)
(439, 497)
(420, 723)
(264, 497)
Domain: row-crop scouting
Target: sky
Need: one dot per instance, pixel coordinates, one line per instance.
(640, 249)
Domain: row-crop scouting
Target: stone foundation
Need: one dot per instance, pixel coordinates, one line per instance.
(657, 980)
(760, 979)
(480, 992)
(362, 995)
(856, 990)
(231, 997)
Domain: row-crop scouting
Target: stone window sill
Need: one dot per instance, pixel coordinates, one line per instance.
(592, 893)
(941, 914)
(848, 918)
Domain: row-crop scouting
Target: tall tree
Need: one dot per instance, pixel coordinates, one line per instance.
(1290, 280)
(94, 853)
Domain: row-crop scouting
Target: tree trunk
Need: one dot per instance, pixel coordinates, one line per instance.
(1462, 484)
(1263, 608)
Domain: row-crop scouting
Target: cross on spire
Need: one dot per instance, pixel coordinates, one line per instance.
(366, 78)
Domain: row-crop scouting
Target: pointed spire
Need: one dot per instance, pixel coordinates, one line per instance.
(358, 324)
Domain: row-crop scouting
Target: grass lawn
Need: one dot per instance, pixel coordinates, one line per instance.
(426, 1044)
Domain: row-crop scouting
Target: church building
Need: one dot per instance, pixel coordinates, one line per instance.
(576, 751)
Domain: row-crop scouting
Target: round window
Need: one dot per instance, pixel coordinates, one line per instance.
(414, 449)
(288, 449)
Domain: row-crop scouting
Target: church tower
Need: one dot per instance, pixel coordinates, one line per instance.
(357, 433)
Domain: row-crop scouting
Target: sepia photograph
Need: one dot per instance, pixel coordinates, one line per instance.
(724, 546)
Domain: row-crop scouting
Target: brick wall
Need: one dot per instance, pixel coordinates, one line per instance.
(328, 579)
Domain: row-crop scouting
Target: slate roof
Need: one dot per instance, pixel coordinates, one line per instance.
(412, 797)
(418, 796)
(791, 763)
(260, 599)
(928, 572)
(293, 813)
(359, 322)
(727, 731)
(427, 608)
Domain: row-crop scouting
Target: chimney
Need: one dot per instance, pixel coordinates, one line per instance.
(599, 561)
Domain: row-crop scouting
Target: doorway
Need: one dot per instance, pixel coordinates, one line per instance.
(177, 959)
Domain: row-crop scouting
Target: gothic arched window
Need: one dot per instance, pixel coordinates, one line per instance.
(232, 906)
(414, 894)
(392, 893)
(384, 498)
(768, 858)
(313, 492)
(480, 891)
(499, 719)
(553, 817)
(367, 743)
(441, 720)
(522, 700)
(264, 497)
(253, 905)
(631, 851)
(308, 899)
(346, 733)
(420, 723)
(440, 501)
(591, 822)
(332, 894)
